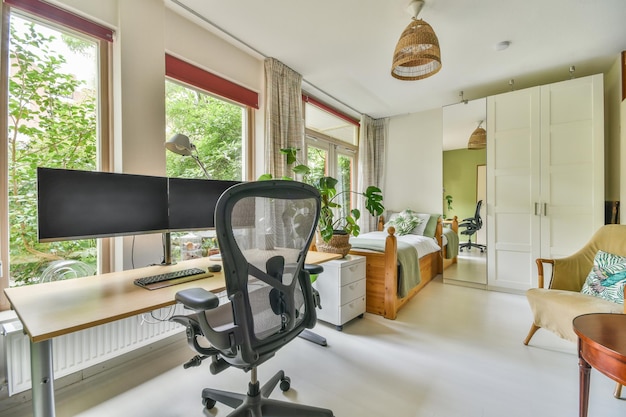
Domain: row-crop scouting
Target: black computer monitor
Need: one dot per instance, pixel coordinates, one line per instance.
(192, 202)
(74, 204)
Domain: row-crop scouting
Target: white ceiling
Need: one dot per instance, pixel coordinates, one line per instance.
(344, 48)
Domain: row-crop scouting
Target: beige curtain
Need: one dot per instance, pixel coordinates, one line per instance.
(372, 140)
(284, 125)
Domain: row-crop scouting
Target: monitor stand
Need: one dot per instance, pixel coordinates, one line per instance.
(167, 249)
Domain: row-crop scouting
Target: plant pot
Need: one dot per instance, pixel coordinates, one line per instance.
(339, 243)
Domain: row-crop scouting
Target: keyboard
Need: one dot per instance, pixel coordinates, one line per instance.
(171, 278)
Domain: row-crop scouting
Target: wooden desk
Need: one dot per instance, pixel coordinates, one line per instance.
(602, 345)
(56, 308)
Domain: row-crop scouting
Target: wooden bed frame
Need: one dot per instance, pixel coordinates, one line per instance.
(381, 272)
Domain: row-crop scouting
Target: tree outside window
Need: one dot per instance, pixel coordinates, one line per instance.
(213, 125)
(52, 122)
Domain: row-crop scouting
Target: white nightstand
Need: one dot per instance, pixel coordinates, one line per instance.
(342, 290)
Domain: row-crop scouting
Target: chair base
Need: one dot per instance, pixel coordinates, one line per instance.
(256, 402)
(469, 245)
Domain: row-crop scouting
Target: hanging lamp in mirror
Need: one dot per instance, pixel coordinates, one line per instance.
(417, 54)
(478, 138)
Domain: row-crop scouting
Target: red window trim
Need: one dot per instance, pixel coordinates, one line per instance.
(190, 74)
(58, 15)
(330, 110)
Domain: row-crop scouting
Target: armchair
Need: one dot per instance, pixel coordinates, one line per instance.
(264, 230)
(555, 307)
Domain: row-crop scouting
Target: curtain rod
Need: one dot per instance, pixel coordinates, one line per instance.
(236, 39)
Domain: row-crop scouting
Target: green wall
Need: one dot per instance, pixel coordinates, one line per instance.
(459, 181)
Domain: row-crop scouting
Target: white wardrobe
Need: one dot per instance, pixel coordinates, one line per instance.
(545, 176)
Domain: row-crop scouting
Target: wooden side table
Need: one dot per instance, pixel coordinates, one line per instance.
(601, 345)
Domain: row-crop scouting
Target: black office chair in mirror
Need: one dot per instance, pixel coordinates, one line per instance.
(264, 230)
(469, 227)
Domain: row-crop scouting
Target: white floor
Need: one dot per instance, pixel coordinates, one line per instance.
(454, 351)
(469, 269)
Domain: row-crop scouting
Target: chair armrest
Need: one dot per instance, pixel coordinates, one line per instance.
(197, 299)
(313, 269)
(540, 278)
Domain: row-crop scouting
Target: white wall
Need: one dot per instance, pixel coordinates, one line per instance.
(414, 167)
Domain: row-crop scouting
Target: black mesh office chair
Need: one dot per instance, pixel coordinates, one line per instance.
(472, 225)
(259, 227)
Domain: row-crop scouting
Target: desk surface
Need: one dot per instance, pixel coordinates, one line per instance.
(55, 308)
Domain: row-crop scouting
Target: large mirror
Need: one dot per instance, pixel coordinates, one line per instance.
(465, 184)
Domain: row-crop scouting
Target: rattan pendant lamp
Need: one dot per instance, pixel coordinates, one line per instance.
(417, 53)
(478, 138)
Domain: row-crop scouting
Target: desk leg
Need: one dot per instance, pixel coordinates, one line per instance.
(584, 377)
(42, 376)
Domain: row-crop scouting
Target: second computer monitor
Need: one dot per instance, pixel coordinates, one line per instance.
(192, 202)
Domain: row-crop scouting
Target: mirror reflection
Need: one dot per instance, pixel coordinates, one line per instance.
(464, 194)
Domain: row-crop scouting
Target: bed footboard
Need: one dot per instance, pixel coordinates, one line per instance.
(382, 277)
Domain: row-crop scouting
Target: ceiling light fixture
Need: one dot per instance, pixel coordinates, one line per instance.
(478, 138)
(417, 53)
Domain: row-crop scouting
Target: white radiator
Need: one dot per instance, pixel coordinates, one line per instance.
(80, 350)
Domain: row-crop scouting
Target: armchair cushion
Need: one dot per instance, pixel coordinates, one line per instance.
(554, 310)
(607, 277)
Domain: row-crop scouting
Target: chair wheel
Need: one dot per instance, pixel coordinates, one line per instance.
(208, 403)
(285, 384)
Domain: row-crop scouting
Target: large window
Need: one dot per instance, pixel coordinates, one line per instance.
(55, 118)
(215, 115)
(217, 129)
(331, 141)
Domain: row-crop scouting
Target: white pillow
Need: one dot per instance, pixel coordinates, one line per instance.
(419, 229)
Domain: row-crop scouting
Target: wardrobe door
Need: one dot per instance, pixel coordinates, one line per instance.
(545, 177)
(513, 187)
(572, 164)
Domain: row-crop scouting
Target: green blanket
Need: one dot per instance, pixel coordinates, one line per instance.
(453, 243)
(408, 261)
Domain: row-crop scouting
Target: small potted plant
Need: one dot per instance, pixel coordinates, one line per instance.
(335, 227)
(448, 198)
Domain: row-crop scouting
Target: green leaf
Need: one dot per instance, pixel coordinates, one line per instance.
(301, 169)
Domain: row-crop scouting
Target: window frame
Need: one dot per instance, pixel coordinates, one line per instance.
(49, 15)
(333, 146)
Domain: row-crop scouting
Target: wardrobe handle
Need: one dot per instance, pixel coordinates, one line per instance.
(545, 209)
(536, 207)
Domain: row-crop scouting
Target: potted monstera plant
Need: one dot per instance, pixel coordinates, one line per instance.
(335, 226)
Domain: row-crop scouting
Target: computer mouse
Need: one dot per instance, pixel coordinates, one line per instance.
(215, 268)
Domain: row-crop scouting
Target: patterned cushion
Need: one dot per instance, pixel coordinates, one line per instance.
(607, 277)
(404, 222)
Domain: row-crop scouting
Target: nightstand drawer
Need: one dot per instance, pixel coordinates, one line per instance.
(341, 289)
(353, 290)
(352, 272)
(352, 309)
